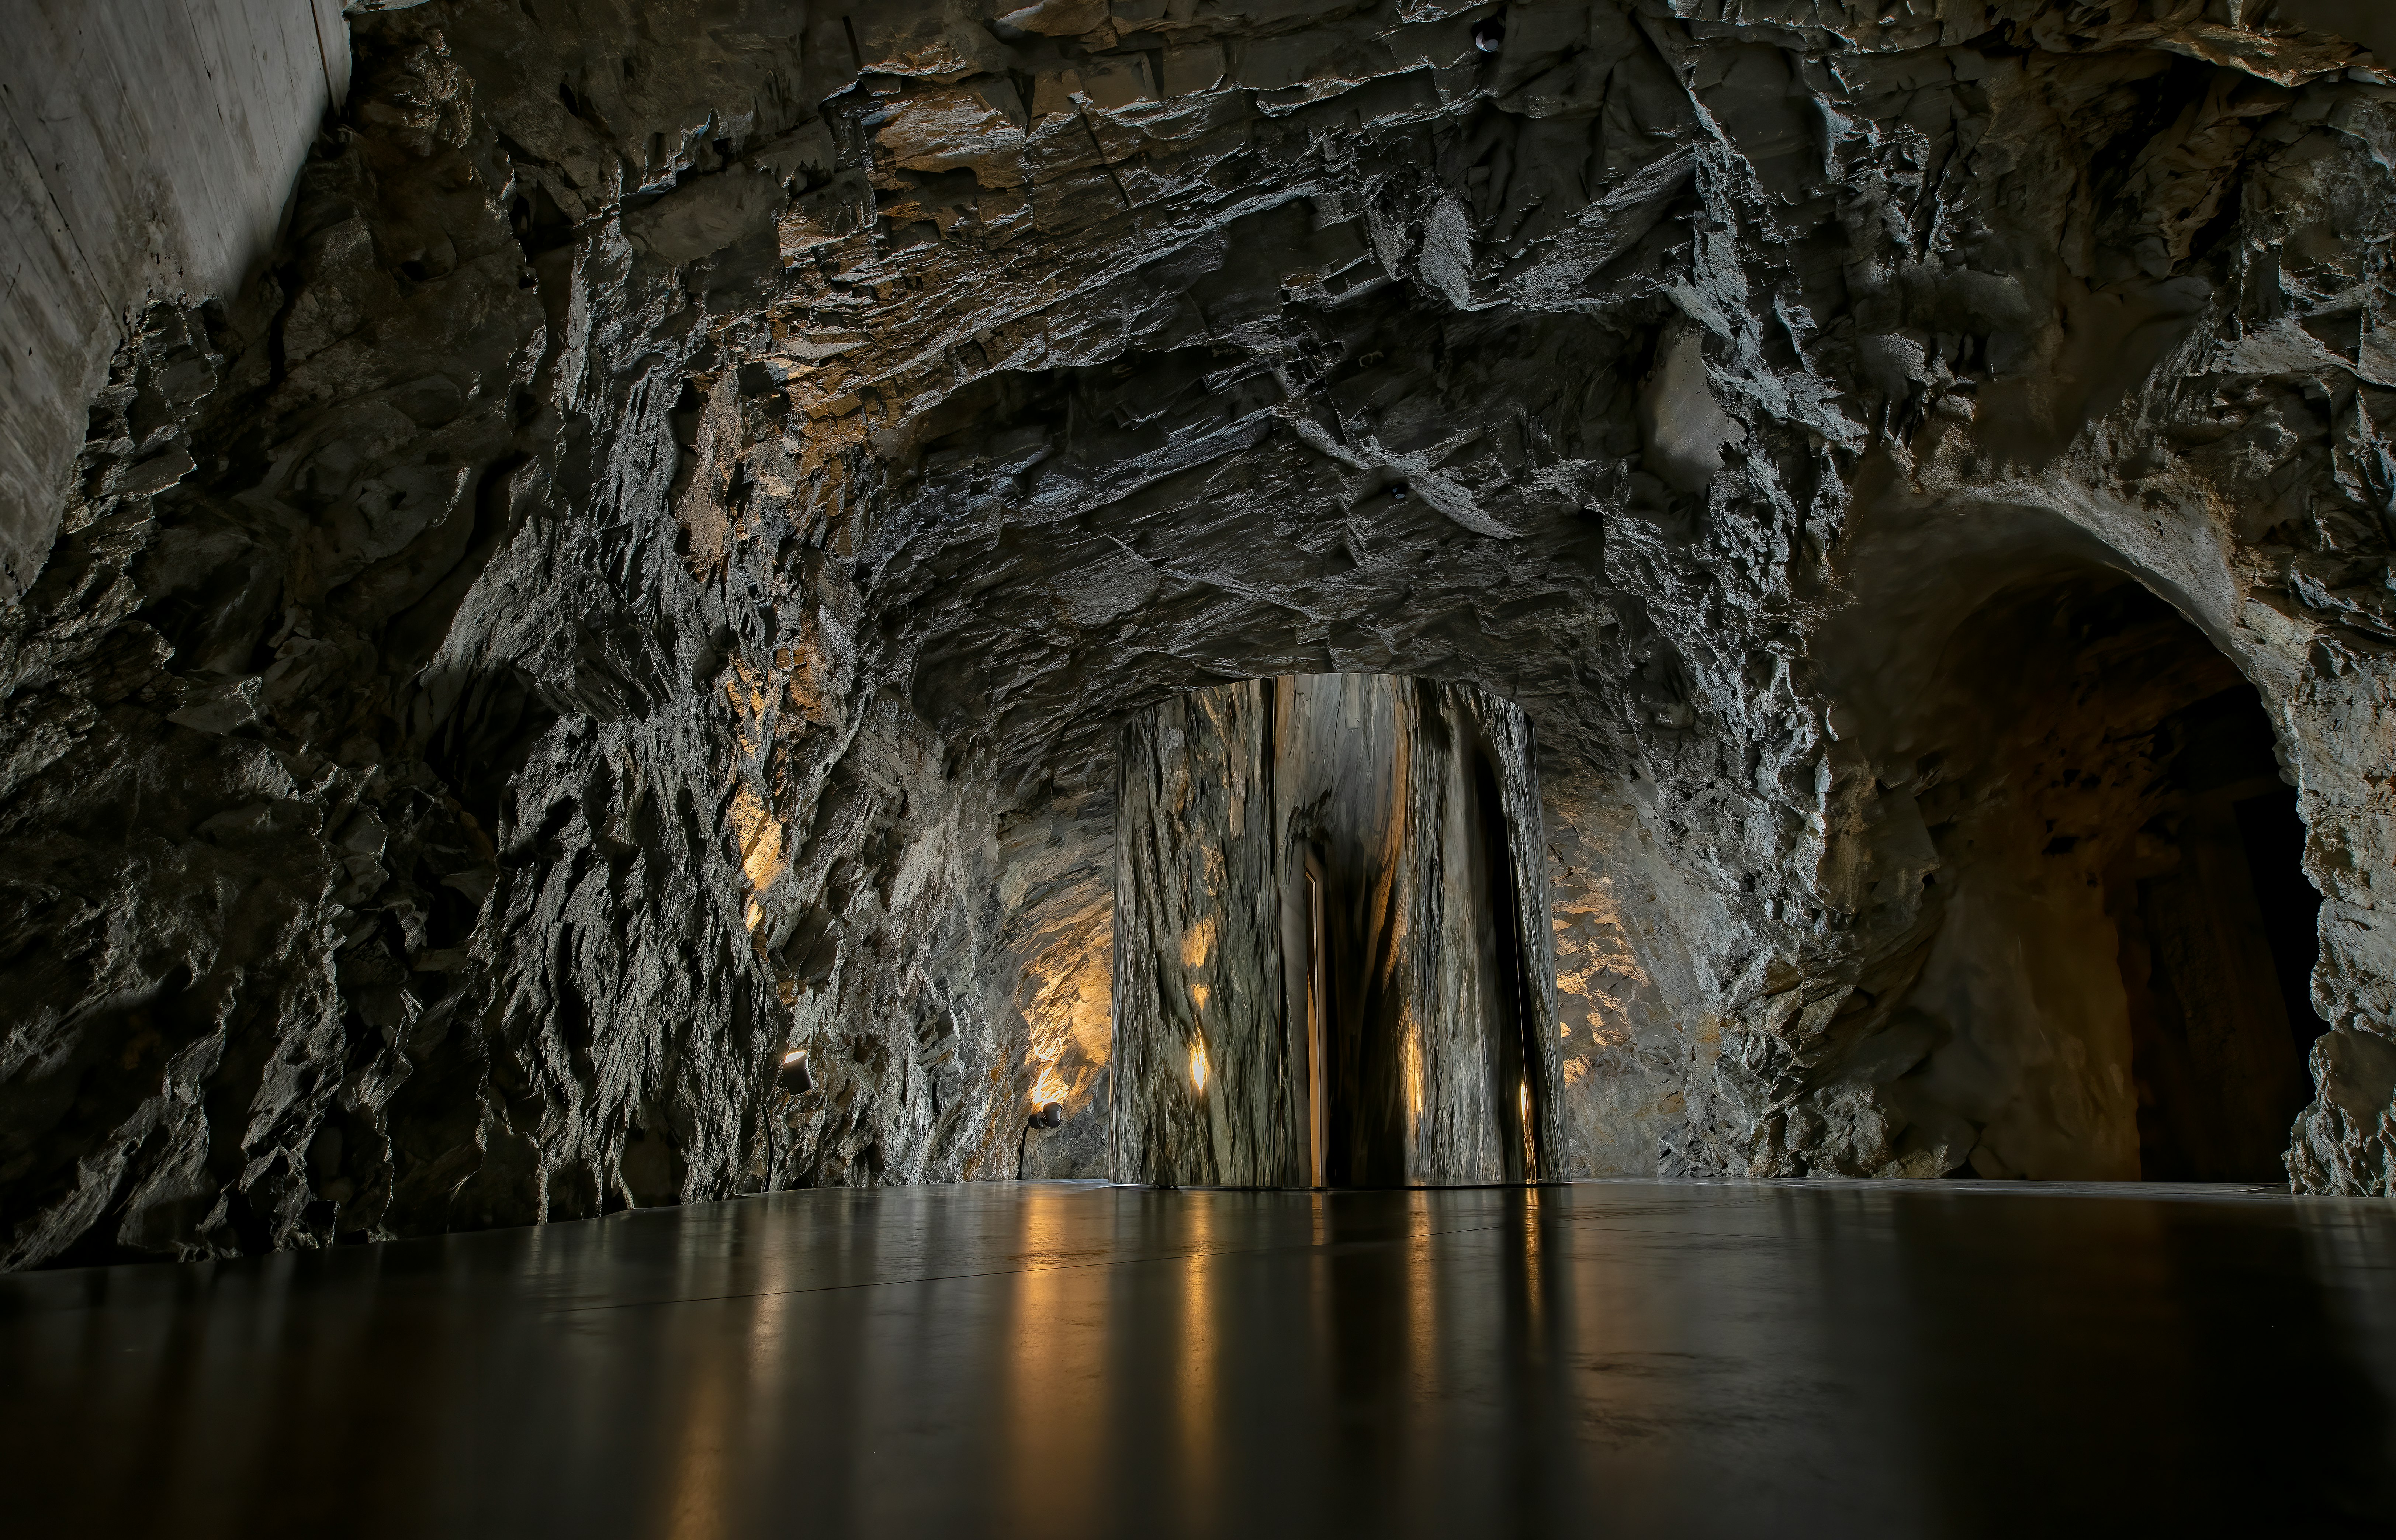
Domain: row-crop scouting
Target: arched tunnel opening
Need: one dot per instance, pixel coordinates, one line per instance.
(2119, 984)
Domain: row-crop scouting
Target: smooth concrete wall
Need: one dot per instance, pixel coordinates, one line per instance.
(150, 147)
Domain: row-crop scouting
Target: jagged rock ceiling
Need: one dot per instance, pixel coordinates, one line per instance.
(651, 573)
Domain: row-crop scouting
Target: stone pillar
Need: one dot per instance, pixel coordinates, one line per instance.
(1331, 954)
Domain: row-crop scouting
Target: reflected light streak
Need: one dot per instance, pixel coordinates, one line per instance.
(1056, 1380)
(1423, 1322)
(1197, 1371)
(1198, 1066)
(1533, 1282)
(769, 1359)
(698, 1494)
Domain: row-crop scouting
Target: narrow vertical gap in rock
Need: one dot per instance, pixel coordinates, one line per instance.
(1516, 1088)
(2217, 1034)
(2274, 838)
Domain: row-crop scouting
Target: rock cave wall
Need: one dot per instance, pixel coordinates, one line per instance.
(650, 574)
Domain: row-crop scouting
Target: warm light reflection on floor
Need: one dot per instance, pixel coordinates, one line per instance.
(1196, 1370)
(697, 1511)
(1069, 1359)
(1056, 1378)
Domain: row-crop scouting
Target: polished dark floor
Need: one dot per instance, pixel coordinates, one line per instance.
(1613, 1358)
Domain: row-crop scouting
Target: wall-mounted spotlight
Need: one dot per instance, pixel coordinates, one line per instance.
(1489, 33)
(1048, 1115)
(794, 1077)
(1398, 492)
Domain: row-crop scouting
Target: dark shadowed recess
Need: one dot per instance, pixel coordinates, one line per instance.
(2219, 926)
(2124, 767)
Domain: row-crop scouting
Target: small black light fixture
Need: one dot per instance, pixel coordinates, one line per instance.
(1048, 1115)
(1489, 32)
(794, 1077)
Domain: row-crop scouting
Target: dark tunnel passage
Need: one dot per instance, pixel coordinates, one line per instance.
(2218, 946)
(2119, 987)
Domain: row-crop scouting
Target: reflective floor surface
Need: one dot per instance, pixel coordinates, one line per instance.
(1611, 1357)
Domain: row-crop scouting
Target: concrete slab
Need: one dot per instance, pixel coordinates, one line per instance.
(147, 149)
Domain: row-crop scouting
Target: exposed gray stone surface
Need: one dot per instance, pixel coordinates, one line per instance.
(1332, 963)
(654, 572)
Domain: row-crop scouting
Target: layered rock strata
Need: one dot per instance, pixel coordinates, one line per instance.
(1332, 963)
(652, 574)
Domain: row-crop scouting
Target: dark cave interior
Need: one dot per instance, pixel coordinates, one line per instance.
(2217, 943)
(2127, 934)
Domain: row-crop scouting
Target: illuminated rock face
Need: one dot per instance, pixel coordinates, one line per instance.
(655, 573)
(1331, 956)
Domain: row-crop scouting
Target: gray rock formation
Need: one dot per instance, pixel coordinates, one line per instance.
(1332, 963)
(653, 571)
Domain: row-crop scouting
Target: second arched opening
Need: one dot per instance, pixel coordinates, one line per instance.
(2120, 983)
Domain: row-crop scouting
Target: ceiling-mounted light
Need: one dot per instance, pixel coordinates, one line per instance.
(793, 1076)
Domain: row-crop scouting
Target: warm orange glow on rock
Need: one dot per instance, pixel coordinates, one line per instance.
(761, 839)
(1067, 1013)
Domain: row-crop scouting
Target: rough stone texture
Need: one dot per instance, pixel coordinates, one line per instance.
(1331, 896)
(654, 572)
